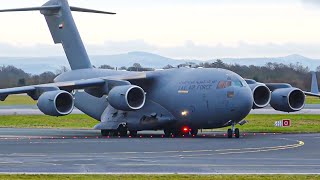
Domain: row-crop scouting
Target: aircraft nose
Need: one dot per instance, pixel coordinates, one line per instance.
(245, 102)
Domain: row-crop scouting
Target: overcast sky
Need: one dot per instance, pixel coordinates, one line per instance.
(202, 29)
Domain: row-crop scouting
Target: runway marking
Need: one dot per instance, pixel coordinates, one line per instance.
(224, 165)
(262, 149)
(219, 151)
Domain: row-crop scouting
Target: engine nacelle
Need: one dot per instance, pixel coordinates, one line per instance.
(127, 98)
(288, 99)
(261, 95)
(56, 103)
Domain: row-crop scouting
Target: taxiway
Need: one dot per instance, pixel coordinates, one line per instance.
(85, 151)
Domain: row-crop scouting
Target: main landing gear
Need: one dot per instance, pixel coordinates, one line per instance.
(234, 131)
(122, 131)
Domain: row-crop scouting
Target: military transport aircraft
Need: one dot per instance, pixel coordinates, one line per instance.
(178, 101)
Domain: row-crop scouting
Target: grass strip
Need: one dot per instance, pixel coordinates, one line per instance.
(301, 123)
(160, 177)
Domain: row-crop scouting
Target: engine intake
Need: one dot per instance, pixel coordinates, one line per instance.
(56, 103)
(127, 98)
(261, 95)
(288, 99)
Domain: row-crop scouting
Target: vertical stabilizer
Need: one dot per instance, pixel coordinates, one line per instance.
(64, 30)
(314, 83)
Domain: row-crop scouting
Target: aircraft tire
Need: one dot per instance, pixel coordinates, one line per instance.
(105, 132)
(194, 132)
(177, 133)
(133, 133)
(114, 133)
(123, 131)
(167, 133)
(237, 133)
(230, 133)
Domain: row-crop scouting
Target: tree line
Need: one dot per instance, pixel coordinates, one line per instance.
(294, 74)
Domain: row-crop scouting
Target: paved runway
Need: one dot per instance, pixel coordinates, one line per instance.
(84, 151)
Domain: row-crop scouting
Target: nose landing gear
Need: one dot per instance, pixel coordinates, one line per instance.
(234, 131)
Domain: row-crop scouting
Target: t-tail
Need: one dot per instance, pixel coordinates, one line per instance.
(64, 30)
(314, 83)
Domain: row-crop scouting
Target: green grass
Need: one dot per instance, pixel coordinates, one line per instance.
(18, 100)
(300, 123)
(257, 123)
(161, 177)
(42, 121)
(312, 100)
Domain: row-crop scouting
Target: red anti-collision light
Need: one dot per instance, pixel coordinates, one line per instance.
(185, 129)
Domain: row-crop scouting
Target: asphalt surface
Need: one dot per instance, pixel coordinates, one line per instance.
(84, 151)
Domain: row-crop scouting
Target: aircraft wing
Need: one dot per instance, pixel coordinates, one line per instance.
(36, 90)
(274, 86)
(311, 94)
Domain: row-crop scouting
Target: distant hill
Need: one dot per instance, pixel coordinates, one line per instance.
(311, 63)
(40, 64)
(37, 65)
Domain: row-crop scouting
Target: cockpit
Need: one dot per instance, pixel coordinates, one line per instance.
(229, 83)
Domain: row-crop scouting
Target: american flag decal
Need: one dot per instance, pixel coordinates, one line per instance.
(61, 26)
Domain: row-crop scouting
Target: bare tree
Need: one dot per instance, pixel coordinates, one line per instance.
(62, 70)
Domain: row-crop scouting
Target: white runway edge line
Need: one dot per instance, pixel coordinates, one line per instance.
(148, 173)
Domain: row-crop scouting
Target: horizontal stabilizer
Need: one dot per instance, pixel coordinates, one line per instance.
(89, 10)
(54, 7)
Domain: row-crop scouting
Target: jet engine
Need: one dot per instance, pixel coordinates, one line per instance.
(56, 103)
(288, 99)
(261, 95)
(127, 98)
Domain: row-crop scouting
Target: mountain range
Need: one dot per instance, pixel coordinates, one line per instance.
(37, 65)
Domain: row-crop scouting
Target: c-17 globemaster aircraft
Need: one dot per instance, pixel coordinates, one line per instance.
(179, 101)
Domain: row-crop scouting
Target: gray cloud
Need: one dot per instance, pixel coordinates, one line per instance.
(311, 2)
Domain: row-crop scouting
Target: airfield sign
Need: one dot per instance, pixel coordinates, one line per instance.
(283, 123)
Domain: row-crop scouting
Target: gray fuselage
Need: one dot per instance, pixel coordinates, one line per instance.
(199, 98)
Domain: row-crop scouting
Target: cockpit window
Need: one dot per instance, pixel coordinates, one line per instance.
(237, 83)
(225, 84)
(221, 85)
(228, 83)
